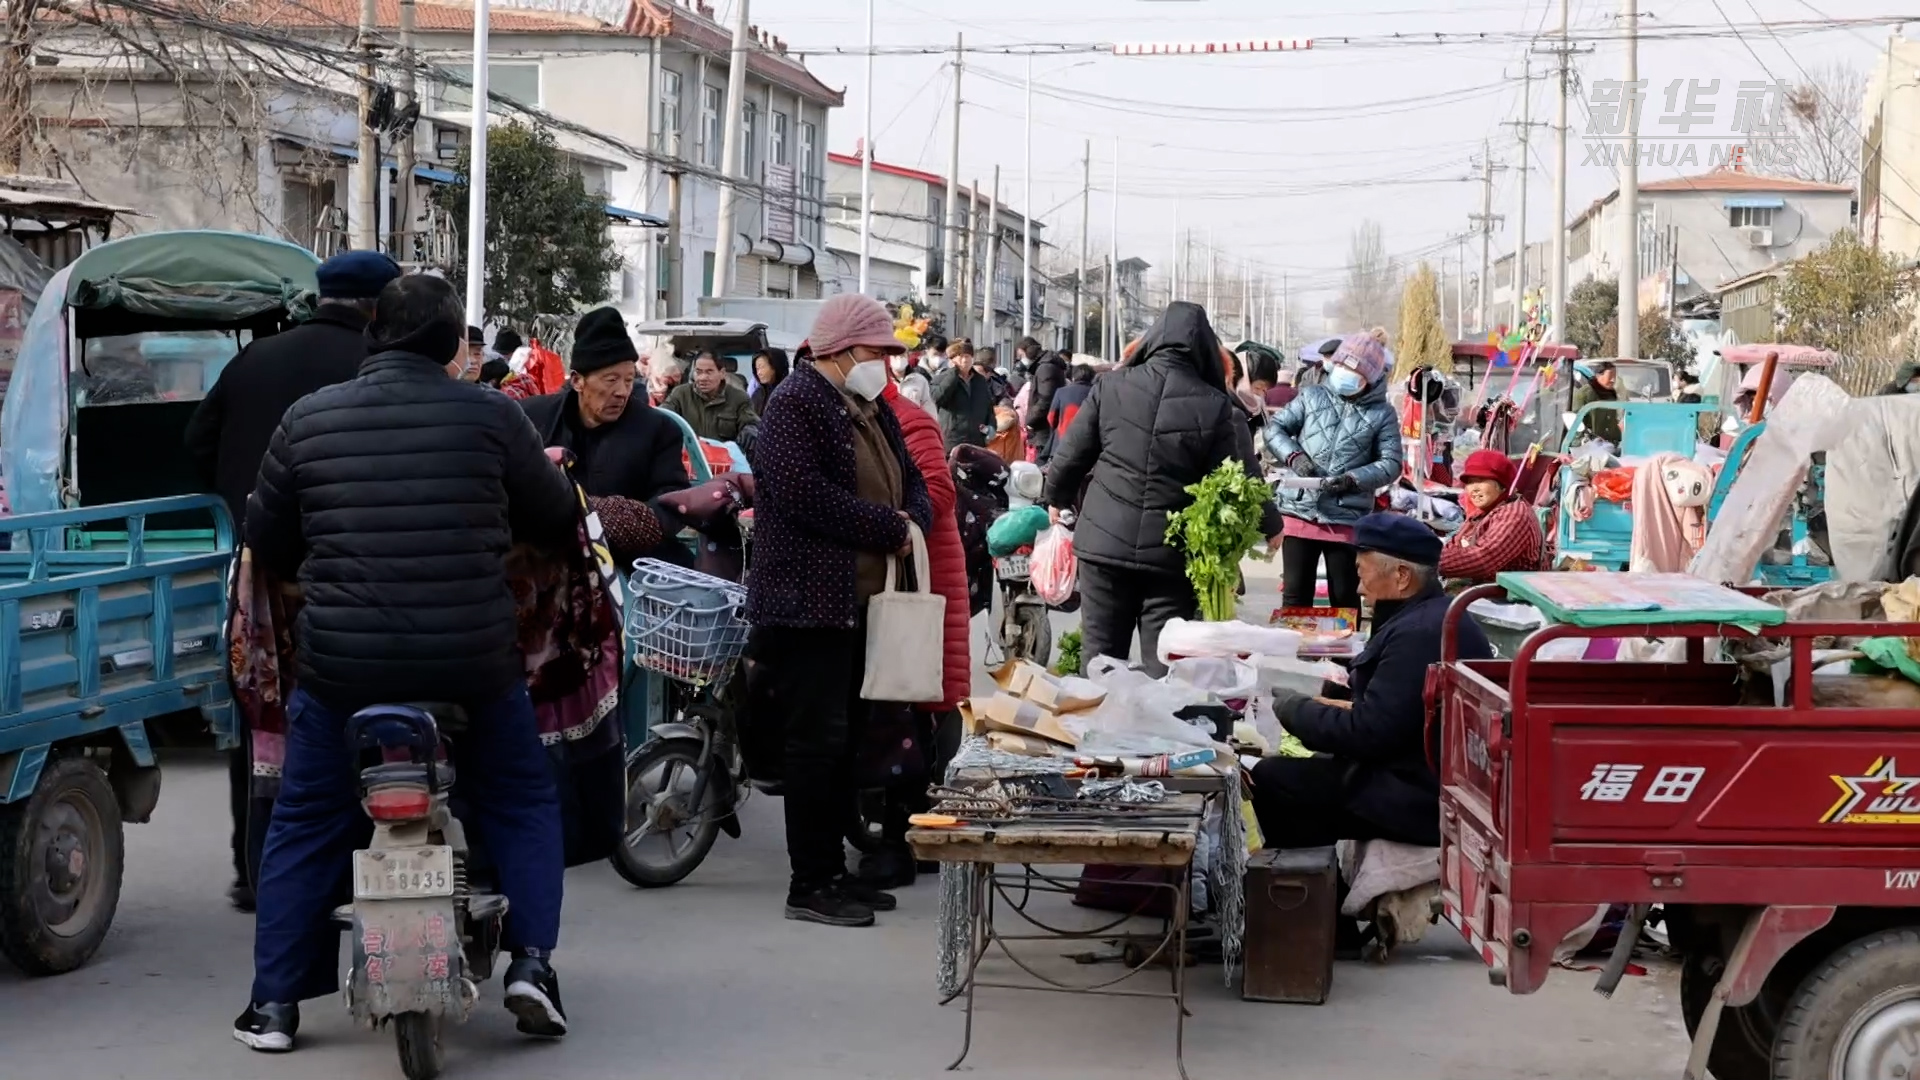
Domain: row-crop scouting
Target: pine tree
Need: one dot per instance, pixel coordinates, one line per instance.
(1422, 341)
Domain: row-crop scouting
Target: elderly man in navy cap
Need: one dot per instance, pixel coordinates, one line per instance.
(229, 431)
(1369, 777)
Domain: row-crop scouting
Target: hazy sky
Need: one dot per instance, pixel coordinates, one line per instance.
(1279, 155)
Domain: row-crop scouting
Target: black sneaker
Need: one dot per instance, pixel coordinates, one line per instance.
(268, 1028)
(860, 892)
(888, 868)
(533, 996)
(830, 906)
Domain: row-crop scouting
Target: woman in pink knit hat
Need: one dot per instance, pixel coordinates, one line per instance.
(1343, 429)
(835, 489)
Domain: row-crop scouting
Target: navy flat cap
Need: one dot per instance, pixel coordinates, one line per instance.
(1399, 536)
(356, 275)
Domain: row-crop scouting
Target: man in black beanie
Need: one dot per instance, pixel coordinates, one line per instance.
(621, 445)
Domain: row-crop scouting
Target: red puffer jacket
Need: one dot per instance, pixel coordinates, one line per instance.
(928, 447)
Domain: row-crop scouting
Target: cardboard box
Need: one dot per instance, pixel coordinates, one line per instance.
(1065, 693)
(1004, 712)
(1027, 745)
(971, 722)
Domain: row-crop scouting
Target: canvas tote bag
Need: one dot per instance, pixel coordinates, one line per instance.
(906, 635)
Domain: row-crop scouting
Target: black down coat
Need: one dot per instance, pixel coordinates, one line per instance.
(639, 456)
(1049, 375)
(232, 425)
(1147, 431)
(393, 499)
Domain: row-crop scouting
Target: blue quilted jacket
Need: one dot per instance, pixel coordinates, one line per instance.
(1360, 437)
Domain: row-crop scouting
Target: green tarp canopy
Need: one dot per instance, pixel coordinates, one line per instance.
(190, 280)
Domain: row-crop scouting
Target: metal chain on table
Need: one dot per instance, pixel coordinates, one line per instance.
(957, 879)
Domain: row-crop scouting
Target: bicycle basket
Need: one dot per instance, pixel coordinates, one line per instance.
(684, 624)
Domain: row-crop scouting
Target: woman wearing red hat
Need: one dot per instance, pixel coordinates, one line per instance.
(1501, 532)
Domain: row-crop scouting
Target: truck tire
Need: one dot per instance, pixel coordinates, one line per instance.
(1857, 1013)
(1743, 1043)
(60, 867)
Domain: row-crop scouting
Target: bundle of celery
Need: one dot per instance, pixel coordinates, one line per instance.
(1216, 531)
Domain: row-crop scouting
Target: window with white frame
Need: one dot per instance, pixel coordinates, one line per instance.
(517, 82)
(777, 147)
(711, 98)
(669, 112)
(843, 209)
(809, 140)
(750, 139)
(1739, 216)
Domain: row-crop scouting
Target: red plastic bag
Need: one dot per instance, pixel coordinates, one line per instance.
(1054, 571)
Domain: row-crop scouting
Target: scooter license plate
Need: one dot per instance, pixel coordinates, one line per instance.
(408, 874)
(1011, 566)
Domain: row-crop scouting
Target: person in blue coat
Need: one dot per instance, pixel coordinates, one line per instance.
(1370, 777)
(1342, 429)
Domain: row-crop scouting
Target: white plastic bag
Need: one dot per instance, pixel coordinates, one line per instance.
(1054, 571)
(1137, 718)
(1181, 637)
(1225, 679)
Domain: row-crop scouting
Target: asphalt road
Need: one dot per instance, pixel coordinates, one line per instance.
(706, 979)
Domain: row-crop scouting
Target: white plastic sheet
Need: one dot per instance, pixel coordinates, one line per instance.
(1814, 416)
(1183, 637)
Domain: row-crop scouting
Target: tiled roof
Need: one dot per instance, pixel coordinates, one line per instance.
(428, 16)
(1729, 180)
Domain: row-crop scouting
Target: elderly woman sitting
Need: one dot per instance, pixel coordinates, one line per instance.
(1501, 532)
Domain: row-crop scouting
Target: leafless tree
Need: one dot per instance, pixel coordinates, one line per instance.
(1372, 294)
(1823, 143)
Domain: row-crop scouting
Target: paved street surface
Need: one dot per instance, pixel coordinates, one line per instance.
(706, 979)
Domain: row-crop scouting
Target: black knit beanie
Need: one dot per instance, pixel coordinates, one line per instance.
(601, 341)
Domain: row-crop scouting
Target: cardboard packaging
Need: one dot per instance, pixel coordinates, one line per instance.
(1004, 712)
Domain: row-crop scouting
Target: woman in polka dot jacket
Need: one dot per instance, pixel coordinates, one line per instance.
(834, 487)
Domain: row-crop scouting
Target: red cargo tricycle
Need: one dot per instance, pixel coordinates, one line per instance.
(1779, 843)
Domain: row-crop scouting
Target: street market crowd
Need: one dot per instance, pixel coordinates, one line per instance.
(386, 461)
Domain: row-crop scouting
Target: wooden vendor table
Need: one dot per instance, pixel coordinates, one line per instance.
(1004, 858)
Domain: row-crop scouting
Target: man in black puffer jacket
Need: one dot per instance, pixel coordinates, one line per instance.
(1148, 430)
(393, 500)
(1049, 375)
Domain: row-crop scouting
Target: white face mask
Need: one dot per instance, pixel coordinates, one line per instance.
(1345, 381)
(899, 365)
(868, 379)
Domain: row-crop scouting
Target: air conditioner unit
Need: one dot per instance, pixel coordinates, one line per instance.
(1758, 236)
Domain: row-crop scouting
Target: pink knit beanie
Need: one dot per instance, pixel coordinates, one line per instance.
(852, 319)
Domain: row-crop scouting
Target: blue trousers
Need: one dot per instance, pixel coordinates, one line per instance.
(505, 783)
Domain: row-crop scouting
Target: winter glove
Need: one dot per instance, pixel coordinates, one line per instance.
(1286, 704)
(1302, 465)
(1341, 485)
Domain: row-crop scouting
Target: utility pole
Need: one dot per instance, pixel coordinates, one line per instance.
(676, 289)
(1484, 221)
(968, 328)
(366, 214)
(403, 188)
(1113, 264)
(1524, 127)
(991, 331)
(1213, 285)
(866, 165)
(1026, 219)
(477, 174)
(950, 272)
(1174, 272)
(1246, 301)
(1629, 344)
(1286, 310)
(1557, 304)
(730, 158)
(1086, 223)
(1460, 293)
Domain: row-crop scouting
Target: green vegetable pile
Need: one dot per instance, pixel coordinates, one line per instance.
(1069, 662)
(1216, 531)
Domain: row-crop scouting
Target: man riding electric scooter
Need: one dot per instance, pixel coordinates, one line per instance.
(393, 500)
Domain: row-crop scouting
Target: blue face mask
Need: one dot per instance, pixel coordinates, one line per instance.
(1345, 381)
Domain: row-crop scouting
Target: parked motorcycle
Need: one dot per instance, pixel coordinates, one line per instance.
(686, 775)
(424, 939)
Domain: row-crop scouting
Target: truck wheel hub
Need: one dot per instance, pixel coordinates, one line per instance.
(1884, 1040)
